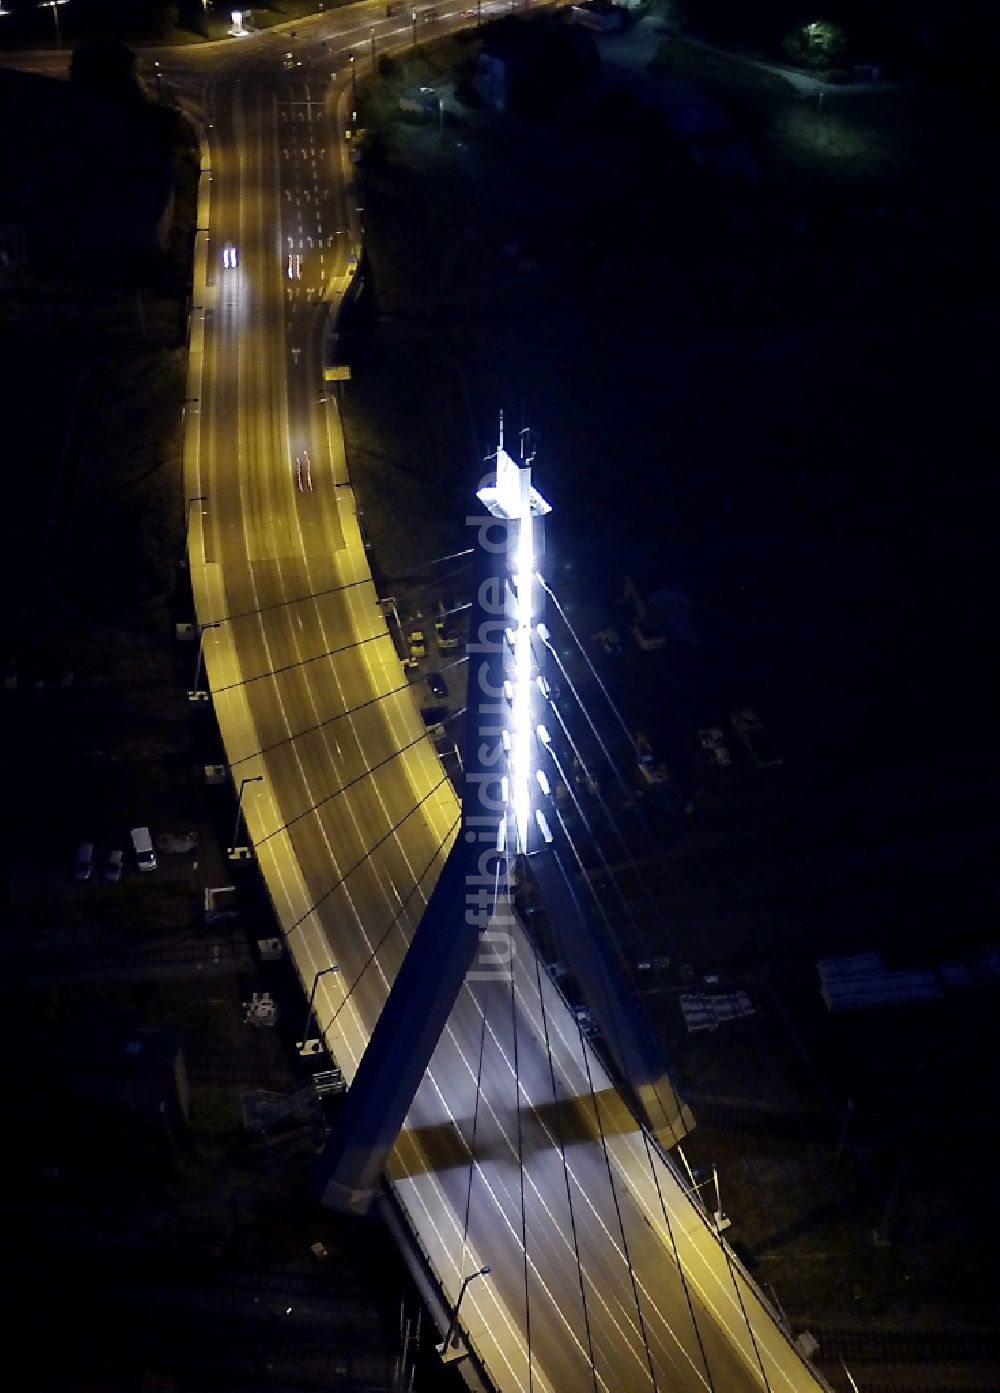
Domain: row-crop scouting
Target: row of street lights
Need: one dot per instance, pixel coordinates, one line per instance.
(452, 1348)
(52, 5)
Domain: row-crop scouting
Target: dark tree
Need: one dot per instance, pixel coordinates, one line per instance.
(107, 68)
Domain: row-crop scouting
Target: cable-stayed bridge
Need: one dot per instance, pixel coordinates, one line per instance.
(532, 1174)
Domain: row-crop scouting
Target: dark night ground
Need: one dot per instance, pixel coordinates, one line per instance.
(815, 478)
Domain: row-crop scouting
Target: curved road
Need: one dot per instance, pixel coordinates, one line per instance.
(604, 1274)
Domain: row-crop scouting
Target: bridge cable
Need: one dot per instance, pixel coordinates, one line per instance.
(393, 922)
(520, 1171)
(586, 658)
(708, 880)
(334, 590)
(613, 822)
(381, 841)
(435, 561)
(435, 583)
(746, 1316)
(479, 1076)
(320, 725)
(612, 1016)
(604, 691)
(639, 933)
(368, 771)
(472, 1143)
(611, 1178)
(561, 1142)
(630, 799)
(303, 662)
(330, 720)
(283, 604)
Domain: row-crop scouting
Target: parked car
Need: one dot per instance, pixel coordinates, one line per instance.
(437, 684)
(142, 845)
(114, 866)
(83, 866)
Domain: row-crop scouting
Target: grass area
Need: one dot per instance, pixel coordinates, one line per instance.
(849, 138)
(212, 26)
(215, 1110)
(718, 72)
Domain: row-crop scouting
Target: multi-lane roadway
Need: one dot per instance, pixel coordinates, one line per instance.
(518, 1153)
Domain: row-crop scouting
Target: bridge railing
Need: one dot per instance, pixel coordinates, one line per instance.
(431, 1288)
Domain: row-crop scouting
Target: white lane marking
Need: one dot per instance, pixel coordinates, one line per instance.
(463, 1056)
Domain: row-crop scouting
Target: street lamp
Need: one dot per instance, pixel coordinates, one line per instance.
(303, 1045)
(718, 1218)
(373, 50)
(236, 852)
(53, 5)
(195, 694)
(354, 83)
(413, 17)
(451, 1347)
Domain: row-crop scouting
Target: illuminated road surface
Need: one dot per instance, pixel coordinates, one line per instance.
(354, 815)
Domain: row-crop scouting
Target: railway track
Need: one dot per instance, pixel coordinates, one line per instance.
(908, 1361)
(196, 957)
(248, 1319)
(290, 1284)
(909, 1347)
(246, 1066)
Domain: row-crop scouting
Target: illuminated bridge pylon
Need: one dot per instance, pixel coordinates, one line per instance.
(505, 838)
